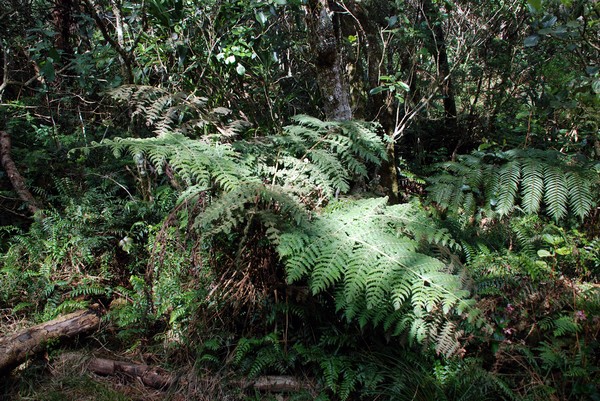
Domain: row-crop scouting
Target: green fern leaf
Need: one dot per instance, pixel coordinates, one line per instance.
(581, 199)
(533, 185)
(506, 180)
(507, 189)
(555, 192)
(355, 248)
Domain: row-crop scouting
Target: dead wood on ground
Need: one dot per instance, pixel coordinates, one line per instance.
(16, 348)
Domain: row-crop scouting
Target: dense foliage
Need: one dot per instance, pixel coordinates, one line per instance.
(388, 199)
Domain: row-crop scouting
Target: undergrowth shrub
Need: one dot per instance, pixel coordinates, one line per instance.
(541, 316)
(262, 220)
(72, 257)
(516, 217)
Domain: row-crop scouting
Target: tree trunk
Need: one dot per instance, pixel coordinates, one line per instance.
(125, 57)
(13, 174)
(380, 105)
(15, 349)
(328, 60)
(63, 22)
(443, 65)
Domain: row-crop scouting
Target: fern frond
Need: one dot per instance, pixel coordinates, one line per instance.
(357, 249)
(532, 185)
(581, 198)
(516, 178)
(556, 192)
(509, 177)
(322, 156)
(235, 206)
(417, 224)
(447, 342)
(196, 162)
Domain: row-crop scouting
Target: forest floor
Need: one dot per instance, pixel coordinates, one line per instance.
(63, 375)
(43, 381)
(97, 367)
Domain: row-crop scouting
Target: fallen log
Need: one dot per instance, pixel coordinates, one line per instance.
(160, 379)
(279, 384)
(275, 384)
(16, 348)
(151, 376)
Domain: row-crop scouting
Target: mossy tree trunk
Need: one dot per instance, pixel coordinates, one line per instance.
(328, 60)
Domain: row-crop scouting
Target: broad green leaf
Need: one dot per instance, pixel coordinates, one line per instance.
(47, 70)
(535, 5)
(377, 90)
(403, 86)
(563, 251)
(592, 70)
(542, 253)
(261, 17)
(552, 239)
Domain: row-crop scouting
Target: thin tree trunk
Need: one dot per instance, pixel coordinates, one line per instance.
(379, 105)
(15, 349)
(13, 174)
(124, 56)
(443, 65)
(63, 21)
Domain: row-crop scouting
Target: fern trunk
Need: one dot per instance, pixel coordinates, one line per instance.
(389, 175)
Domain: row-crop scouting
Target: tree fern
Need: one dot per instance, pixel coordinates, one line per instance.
(530, 179)
(371, 256)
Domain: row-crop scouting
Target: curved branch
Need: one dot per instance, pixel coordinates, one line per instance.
(16, 179)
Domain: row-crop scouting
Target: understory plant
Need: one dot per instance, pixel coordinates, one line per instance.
(272, 212)
(533, 271)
